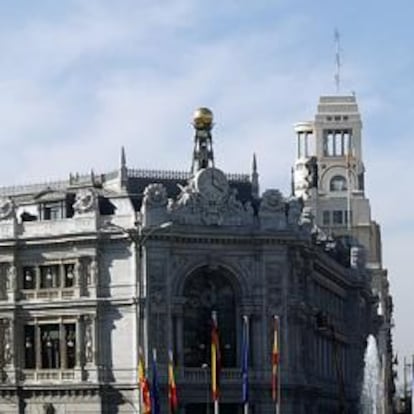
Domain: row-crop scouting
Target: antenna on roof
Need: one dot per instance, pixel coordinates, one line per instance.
(338, 63)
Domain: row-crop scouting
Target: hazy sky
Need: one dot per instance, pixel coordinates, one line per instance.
(78, 79)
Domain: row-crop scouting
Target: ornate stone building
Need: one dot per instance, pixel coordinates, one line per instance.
(95, 267)
(329, 175)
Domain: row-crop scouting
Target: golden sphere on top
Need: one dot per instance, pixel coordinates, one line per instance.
(203, 118)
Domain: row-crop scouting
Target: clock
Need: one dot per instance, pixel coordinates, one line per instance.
(212, 183)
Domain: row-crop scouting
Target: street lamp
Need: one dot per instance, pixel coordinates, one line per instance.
(205, 369)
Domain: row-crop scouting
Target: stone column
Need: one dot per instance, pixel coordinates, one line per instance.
(11, 282)
(37, 276)
(62, 346)
(38, 346)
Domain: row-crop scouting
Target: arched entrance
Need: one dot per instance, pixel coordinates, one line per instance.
(205, 291)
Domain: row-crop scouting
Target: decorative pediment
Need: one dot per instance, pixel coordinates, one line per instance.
(48, 194)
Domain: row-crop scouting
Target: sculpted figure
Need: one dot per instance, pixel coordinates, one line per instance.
(155, 195)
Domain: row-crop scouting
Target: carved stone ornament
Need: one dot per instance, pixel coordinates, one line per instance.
(85, 201)
(306, 218)
(294, 212)
(11, 277)
(88, 340)
(6, 208)
(92, 272)
(201, 202)
(155, 195)
(8, 341)
(272, 212)
(272, 202)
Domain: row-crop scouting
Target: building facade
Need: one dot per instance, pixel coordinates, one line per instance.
(94, 268)
(329, 175)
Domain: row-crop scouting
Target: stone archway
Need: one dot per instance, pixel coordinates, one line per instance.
(207, 290)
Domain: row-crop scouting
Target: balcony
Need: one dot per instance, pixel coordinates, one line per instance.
(55, 376)
(57, 227)
(48, 294)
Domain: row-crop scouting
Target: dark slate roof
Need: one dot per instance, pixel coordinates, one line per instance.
(138, 180)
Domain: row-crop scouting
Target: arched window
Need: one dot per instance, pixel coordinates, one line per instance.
(204, 292)
(338, 183)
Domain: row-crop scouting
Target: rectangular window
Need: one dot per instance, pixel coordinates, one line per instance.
(29, 347)
(53, 210)
(29, 278)
(49, 277)
(328, 143)
(326, 217)
(70, 344)
(56, 344)
(337, 217)
(69, 275)
(50, 349)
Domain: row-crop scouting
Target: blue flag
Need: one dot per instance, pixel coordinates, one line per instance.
(245, 360)
(155, 392)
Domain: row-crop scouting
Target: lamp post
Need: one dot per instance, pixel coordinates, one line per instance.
(205, 369)
(138, 238)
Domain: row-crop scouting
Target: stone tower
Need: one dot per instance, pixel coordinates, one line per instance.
(329, 176)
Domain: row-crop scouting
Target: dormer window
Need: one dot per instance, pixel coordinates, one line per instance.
(52, 210)
(338, 183)
(55, 205)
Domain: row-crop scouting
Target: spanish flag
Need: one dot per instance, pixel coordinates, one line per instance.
(275, 361)
(215, 357)
(172, 389)
(144, 387)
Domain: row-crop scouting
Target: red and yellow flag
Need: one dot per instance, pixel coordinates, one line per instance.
(215, 358)
(144, 387)
(172, 389)
(275, 361)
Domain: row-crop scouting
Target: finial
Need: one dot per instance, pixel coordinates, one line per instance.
(123, 157)
(203, 144)
(255, 178)
(203, 119)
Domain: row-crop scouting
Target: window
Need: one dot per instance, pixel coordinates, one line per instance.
(53, 276)
(29, 347)
(336, 143)
(50, 346)
(326, 218)
(69, 275)
(338, 183)
(52, 210)
(49, 277)
(338, 217)
(29, 278)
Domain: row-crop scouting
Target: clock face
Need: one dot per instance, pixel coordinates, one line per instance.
(212, 183)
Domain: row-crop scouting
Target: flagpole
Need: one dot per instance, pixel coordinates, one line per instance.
(276, 363)
(412, 383)
(245, 363)
(215, 345)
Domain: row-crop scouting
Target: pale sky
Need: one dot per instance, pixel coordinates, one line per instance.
(81, 78)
